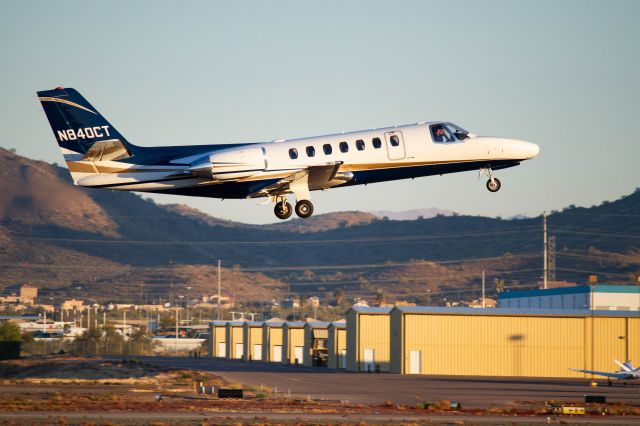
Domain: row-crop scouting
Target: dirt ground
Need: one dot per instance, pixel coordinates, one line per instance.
(132, 392)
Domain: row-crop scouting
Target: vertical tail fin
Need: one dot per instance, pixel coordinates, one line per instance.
(82, 133)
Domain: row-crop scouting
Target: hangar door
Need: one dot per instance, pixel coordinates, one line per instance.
(239, 350)
(414, 362)
(257, 352)
(369, 360)
(277, 353)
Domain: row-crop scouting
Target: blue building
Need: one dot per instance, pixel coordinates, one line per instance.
(594, 297)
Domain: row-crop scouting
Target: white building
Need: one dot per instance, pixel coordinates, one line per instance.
(595, 297)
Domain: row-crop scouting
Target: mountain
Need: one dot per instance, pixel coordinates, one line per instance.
(413, 214)
(111, 244)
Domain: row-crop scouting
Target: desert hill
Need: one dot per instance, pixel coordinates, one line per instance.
(61, 236)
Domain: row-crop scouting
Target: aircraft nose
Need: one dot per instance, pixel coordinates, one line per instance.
(529, 149)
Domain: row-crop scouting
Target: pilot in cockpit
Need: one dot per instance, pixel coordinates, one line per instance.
(439, 134)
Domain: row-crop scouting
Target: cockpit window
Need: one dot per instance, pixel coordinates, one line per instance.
(460, 133)
(440, 133)
(448, 132)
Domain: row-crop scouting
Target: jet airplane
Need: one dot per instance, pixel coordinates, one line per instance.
(626, 372)
(98, 156)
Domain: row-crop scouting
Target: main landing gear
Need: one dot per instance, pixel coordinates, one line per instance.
(493, 184)
(283, 210)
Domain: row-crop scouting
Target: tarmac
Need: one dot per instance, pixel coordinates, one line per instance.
(470, 391)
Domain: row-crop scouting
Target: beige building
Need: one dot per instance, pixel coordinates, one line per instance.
(368, 335)
(218, 339)
(71, 304)
(509, 342)
(28, 294)
(316, 335)
(272, 331)
(253, 341)
(293, 342)
(337, 345)
(235, 339)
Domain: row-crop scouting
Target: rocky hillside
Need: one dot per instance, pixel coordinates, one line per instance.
(60, 236)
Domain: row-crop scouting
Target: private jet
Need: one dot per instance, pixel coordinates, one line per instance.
(98, 156)
(626, 372)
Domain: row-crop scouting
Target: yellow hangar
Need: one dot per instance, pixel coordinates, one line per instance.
(510, 342)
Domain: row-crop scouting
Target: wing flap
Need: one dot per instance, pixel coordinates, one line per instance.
(318, 177)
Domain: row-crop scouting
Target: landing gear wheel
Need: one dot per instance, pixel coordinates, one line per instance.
(304, 209)
(493, 185)
(283, 210)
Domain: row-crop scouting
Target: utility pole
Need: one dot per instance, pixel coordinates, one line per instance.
(546, 269)
(88, 316)
(176, 331)
(219, 263)
(483, 292)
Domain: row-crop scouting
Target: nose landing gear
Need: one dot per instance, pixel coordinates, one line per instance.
(493, 184)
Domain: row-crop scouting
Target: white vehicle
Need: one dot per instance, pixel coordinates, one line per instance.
(98, 156)
(626, 372)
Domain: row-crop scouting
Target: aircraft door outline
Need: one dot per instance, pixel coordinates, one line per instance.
(394, 142)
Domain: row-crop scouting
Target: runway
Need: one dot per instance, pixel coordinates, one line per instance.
(472, 392)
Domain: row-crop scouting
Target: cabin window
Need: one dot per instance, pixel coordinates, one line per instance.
(344, 147)
(360, 145)
(311, 151)
(293, 153)
(394, 140)
(327, 149)
(377, 143)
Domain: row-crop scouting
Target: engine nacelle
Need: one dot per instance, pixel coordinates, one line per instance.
(230, 164)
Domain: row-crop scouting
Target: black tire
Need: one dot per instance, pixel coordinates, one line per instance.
(493, 185)
(304, 209)
(283, 210)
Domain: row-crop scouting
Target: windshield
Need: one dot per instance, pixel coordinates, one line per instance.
(460, 133)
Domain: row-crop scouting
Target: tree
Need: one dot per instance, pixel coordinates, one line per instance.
(498, 285)
(10, 332)
(379, 296)
(339, 295)
(363, 283)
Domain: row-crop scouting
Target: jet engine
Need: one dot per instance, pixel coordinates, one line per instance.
(230, 164)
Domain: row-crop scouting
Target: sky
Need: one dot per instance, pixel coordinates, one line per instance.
(562, 74)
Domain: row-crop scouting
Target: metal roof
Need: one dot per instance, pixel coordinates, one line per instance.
(254, 323)
(571, 290)
(218, 322)
(510, 311)
(295, 324)
(318, 324)
(370, 310)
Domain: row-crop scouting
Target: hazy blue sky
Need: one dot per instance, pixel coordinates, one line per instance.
(563, 74)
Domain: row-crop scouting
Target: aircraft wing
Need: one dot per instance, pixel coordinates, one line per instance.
(318, 177)
(619, 376)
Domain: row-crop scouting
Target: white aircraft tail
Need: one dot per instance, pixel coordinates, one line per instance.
(627, 366)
